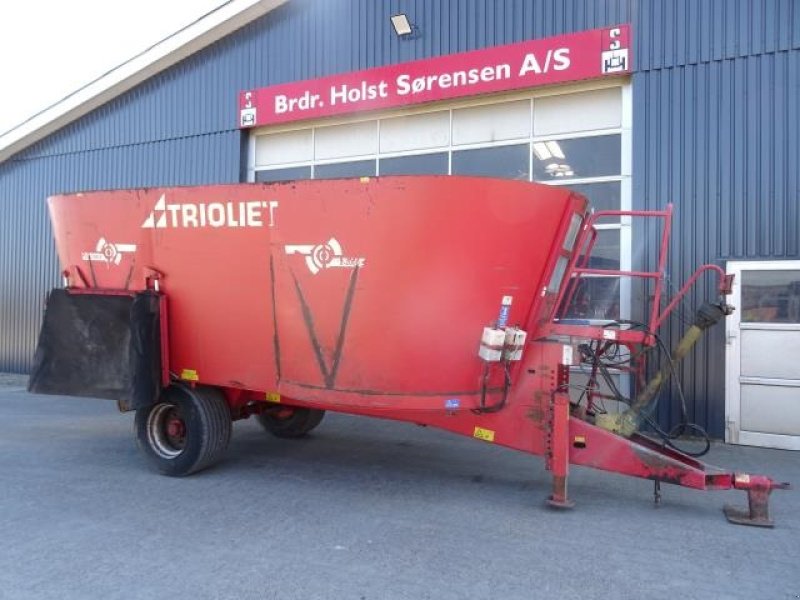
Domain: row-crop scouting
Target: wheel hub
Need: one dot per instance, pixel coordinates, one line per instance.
(166, 430)
(176, 428)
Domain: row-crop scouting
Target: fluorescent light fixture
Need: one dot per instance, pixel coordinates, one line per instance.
(541, 151)
(547, 150)
(401, 24)
(555, 149)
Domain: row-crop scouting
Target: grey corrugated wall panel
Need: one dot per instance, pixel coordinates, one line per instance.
(715, 129)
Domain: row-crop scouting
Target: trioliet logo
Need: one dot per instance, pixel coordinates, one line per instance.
(253, 213)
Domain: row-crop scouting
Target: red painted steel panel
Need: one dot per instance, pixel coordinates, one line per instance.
(381, 287)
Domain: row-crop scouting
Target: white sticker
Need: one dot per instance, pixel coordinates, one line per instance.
(325, 255)
(609, 334)
(108, 253)
(566, 355)
(247, 117)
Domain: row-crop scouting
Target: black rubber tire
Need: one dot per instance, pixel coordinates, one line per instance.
(299, 424)
(207, 422)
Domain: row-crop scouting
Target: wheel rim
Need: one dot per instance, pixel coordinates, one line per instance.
(283, 414)
(166, 430)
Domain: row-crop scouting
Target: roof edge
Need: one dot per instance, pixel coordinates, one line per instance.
(180, 45)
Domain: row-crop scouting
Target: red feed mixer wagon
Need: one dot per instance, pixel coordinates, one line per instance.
(442, 301)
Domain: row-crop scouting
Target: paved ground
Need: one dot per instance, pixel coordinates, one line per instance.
(364, 509)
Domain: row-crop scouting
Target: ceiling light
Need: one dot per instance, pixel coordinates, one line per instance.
(402, 26)
(555, 149)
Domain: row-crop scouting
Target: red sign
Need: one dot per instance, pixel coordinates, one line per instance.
(584, 55)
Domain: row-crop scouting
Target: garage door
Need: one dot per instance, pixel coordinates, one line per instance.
(763, 364)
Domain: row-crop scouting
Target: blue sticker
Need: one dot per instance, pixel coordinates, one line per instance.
(502, 319)
(452, 403)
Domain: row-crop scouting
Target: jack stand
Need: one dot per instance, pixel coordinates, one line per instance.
(758, 490)
(559, 447)
(559, 499)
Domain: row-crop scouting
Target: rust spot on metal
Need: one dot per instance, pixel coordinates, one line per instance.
(537, 411)
(658, 466)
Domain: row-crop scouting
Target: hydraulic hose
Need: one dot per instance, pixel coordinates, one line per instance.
(627, 423)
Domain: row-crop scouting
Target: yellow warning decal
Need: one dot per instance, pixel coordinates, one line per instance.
(364, 179)
(487, 435)
(273, 397)
(189, 375)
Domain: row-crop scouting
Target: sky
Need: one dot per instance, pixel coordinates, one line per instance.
(50, 48)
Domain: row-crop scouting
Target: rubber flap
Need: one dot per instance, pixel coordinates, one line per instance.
(100, 346)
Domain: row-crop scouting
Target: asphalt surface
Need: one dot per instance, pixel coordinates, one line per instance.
(361, 509)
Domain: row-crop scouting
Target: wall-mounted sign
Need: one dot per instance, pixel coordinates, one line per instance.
(573, 57)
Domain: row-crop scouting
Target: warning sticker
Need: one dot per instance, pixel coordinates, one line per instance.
(273, 397)
(189, 375)
(487, 435)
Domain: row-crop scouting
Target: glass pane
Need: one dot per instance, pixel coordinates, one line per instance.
(595, 298)
(509, 162)
(345, 141)
(554, 160)
(771, 296)
(418, 164)
(572, 233)
(601, 196)
(282, 148)
(598, 297)
(585, 111)
(558, 274)
(356, 168)
(492, 122)
(605, 254)
(288, 174)
(415, 132)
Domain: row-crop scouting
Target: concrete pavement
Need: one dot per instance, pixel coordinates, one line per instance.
(361, 509)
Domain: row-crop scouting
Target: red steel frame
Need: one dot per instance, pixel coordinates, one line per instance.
(537, 419)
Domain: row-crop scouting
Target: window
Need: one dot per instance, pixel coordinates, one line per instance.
(770, 297)
(509, 162)
(574, 139)
(416, 164)
(492, 123)
(286, 174)
(605, 195)
(577, 158)
(356, 168)
(415, 133)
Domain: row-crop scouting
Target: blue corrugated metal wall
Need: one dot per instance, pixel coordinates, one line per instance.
(715, 128)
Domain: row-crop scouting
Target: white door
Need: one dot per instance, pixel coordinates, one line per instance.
(762, 399)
